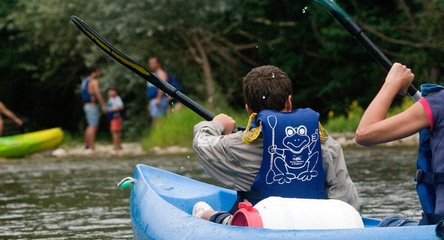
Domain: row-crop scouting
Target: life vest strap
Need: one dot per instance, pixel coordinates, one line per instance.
(429, 177)
(250, 196)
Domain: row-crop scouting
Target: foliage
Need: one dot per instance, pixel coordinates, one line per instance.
(209, 45)
(349, 122)
(345, 123)
(177, 128)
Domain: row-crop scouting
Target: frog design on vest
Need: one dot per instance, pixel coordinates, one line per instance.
(298, 154)
(292, 156)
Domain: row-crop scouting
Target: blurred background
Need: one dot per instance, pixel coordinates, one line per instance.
(210, 46)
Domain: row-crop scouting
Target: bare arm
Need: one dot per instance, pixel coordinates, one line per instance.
(375, 127)
(96, 91)
(164, 77)
(10, 114)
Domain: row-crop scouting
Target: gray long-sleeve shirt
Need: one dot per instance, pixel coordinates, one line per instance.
(235, 164)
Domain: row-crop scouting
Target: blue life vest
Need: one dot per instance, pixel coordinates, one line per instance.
(86, 96)
(112, 115)
(425, 177)
(151, 90)
(174, 81)
(292, 158)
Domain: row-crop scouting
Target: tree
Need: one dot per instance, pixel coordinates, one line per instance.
(210, 45)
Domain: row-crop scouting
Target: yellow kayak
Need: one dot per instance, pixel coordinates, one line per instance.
(28, 143)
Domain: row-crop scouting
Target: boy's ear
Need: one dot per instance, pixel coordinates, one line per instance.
(288, 104)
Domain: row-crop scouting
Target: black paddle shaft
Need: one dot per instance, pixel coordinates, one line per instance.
(374, 51)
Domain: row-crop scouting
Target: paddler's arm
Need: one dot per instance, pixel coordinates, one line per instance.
(375, 128)
(223, 156)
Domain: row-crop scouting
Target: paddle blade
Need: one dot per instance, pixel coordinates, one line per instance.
(119, 57)
(332, 7)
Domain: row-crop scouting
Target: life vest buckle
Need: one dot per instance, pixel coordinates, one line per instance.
(419, 176)
(425, 177)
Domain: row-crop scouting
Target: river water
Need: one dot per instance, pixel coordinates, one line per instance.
(78, 198)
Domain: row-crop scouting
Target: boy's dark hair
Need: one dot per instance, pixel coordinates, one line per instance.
(266, 87)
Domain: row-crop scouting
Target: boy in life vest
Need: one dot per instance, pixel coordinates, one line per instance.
(114, 107)
(425, 116)
(283, 152)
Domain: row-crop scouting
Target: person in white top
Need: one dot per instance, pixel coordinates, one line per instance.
(114, 107)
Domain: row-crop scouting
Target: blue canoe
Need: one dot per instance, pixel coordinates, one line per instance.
(161, 203)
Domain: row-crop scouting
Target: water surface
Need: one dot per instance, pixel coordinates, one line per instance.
(77, 198)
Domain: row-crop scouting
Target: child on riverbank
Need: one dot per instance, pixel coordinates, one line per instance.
(289, 154)
(114, 108)
(426, 114)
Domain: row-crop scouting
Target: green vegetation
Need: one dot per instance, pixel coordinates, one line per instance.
(349, 121)
(209, 45)
(177, 128)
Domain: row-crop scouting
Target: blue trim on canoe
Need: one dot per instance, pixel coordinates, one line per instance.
(161, 203)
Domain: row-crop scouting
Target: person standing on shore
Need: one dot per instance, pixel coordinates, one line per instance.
(91, 97)
(114, 107)
(5, 111)
(158, 100)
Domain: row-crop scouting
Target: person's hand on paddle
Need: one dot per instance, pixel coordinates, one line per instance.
(400, 77)
(226, 121)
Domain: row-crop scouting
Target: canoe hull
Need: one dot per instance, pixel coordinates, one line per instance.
(161, 203)
(28, 143)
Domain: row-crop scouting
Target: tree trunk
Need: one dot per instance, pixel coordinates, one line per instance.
(206, 71)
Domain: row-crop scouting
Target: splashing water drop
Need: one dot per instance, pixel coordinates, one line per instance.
(305, 9)
(172, 106)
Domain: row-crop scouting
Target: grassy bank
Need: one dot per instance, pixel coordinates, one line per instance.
(349, 122)
(177, 128)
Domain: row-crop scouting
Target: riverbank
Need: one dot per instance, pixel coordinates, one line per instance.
(346, 140)
(131, 149)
